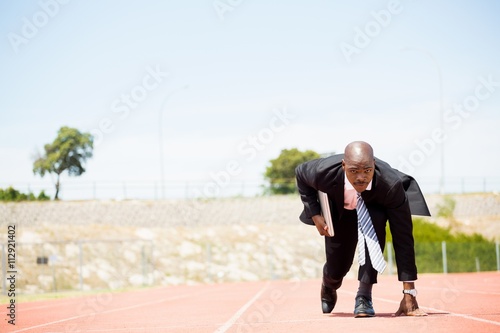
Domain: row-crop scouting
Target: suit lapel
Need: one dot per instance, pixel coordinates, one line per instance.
(338, 191)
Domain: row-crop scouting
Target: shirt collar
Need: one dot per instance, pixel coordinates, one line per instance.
(348, 185)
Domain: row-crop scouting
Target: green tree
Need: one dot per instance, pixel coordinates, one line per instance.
(281, 172)
(69, 151)
(11, 194)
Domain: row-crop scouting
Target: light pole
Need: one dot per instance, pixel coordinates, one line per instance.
(160, 136)
(441, 110)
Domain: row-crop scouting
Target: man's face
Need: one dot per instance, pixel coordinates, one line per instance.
(359, 173)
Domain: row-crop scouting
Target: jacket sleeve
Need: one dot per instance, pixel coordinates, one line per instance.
(416, 199)
(306, 176)
(401, 226)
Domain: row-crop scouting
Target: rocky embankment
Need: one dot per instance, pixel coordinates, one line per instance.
(116, 244)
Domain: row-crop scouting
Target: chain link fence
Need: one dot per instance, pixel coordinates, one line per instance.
(73, 189)
(89, 245)
(120, 264)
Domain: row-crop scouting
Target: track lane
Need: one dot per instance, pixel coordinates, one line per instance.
(455, 302)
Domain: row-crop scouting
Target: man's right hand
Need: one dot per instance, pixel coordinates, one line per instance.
(319, 222)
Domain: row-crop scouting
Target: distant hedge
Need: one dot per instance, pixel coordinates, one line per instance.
(464, 253)
(11, 194)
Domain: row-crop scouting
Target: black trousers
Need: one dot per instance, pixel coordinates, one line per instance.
(340, 251)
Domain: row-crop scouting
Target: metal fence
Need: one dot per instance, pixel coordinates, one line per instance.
(74, 189)
(118, 264)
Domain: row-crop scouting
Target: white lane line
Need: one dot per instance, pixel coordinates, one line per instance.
(105, 312)
(473, 318)
(55, 303)
(166, 328)
(466, 291)
(461, 315)
(238, 313)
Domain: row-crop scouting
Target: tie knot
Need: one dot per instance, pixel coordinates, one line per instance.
(358, 194)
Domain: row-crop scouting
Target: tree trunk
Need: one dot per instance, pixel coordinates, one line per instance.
(56, 197)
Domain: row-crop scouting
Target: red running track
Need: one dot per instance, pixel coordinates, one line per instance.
(468, 302)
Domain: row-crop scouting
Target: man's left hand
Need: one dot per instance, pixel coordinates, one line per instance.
(409, 307)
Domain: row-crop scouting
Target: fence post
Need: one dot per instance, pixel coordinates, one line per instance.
(54, 281)
(143, 260)
(152, 262)
(4, 269)
(270, 262)
(209, 262)
(445, 262)
(498, 255)
(80, 255)
(389, 256)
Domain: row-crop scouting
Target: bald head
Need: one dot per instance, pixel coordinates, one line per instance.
(358, 151)
(359, 164)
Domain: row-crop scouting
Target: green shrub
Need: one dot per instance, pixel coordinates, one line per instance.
(447, 208)
(42, 196)
(11, 194)
(464, 252)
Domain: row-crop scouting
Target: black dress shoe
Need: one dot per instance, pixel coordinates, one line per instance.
(328, 299)
(363, 307)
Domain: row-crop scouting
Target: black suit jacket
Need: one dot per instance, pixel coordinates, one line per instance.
(394, 197)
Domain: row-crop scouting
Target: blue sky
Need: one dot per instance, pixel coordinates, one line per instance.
(228, 84)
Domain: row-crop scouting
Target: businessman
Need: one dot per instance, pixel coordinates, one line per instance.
(364, 193)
